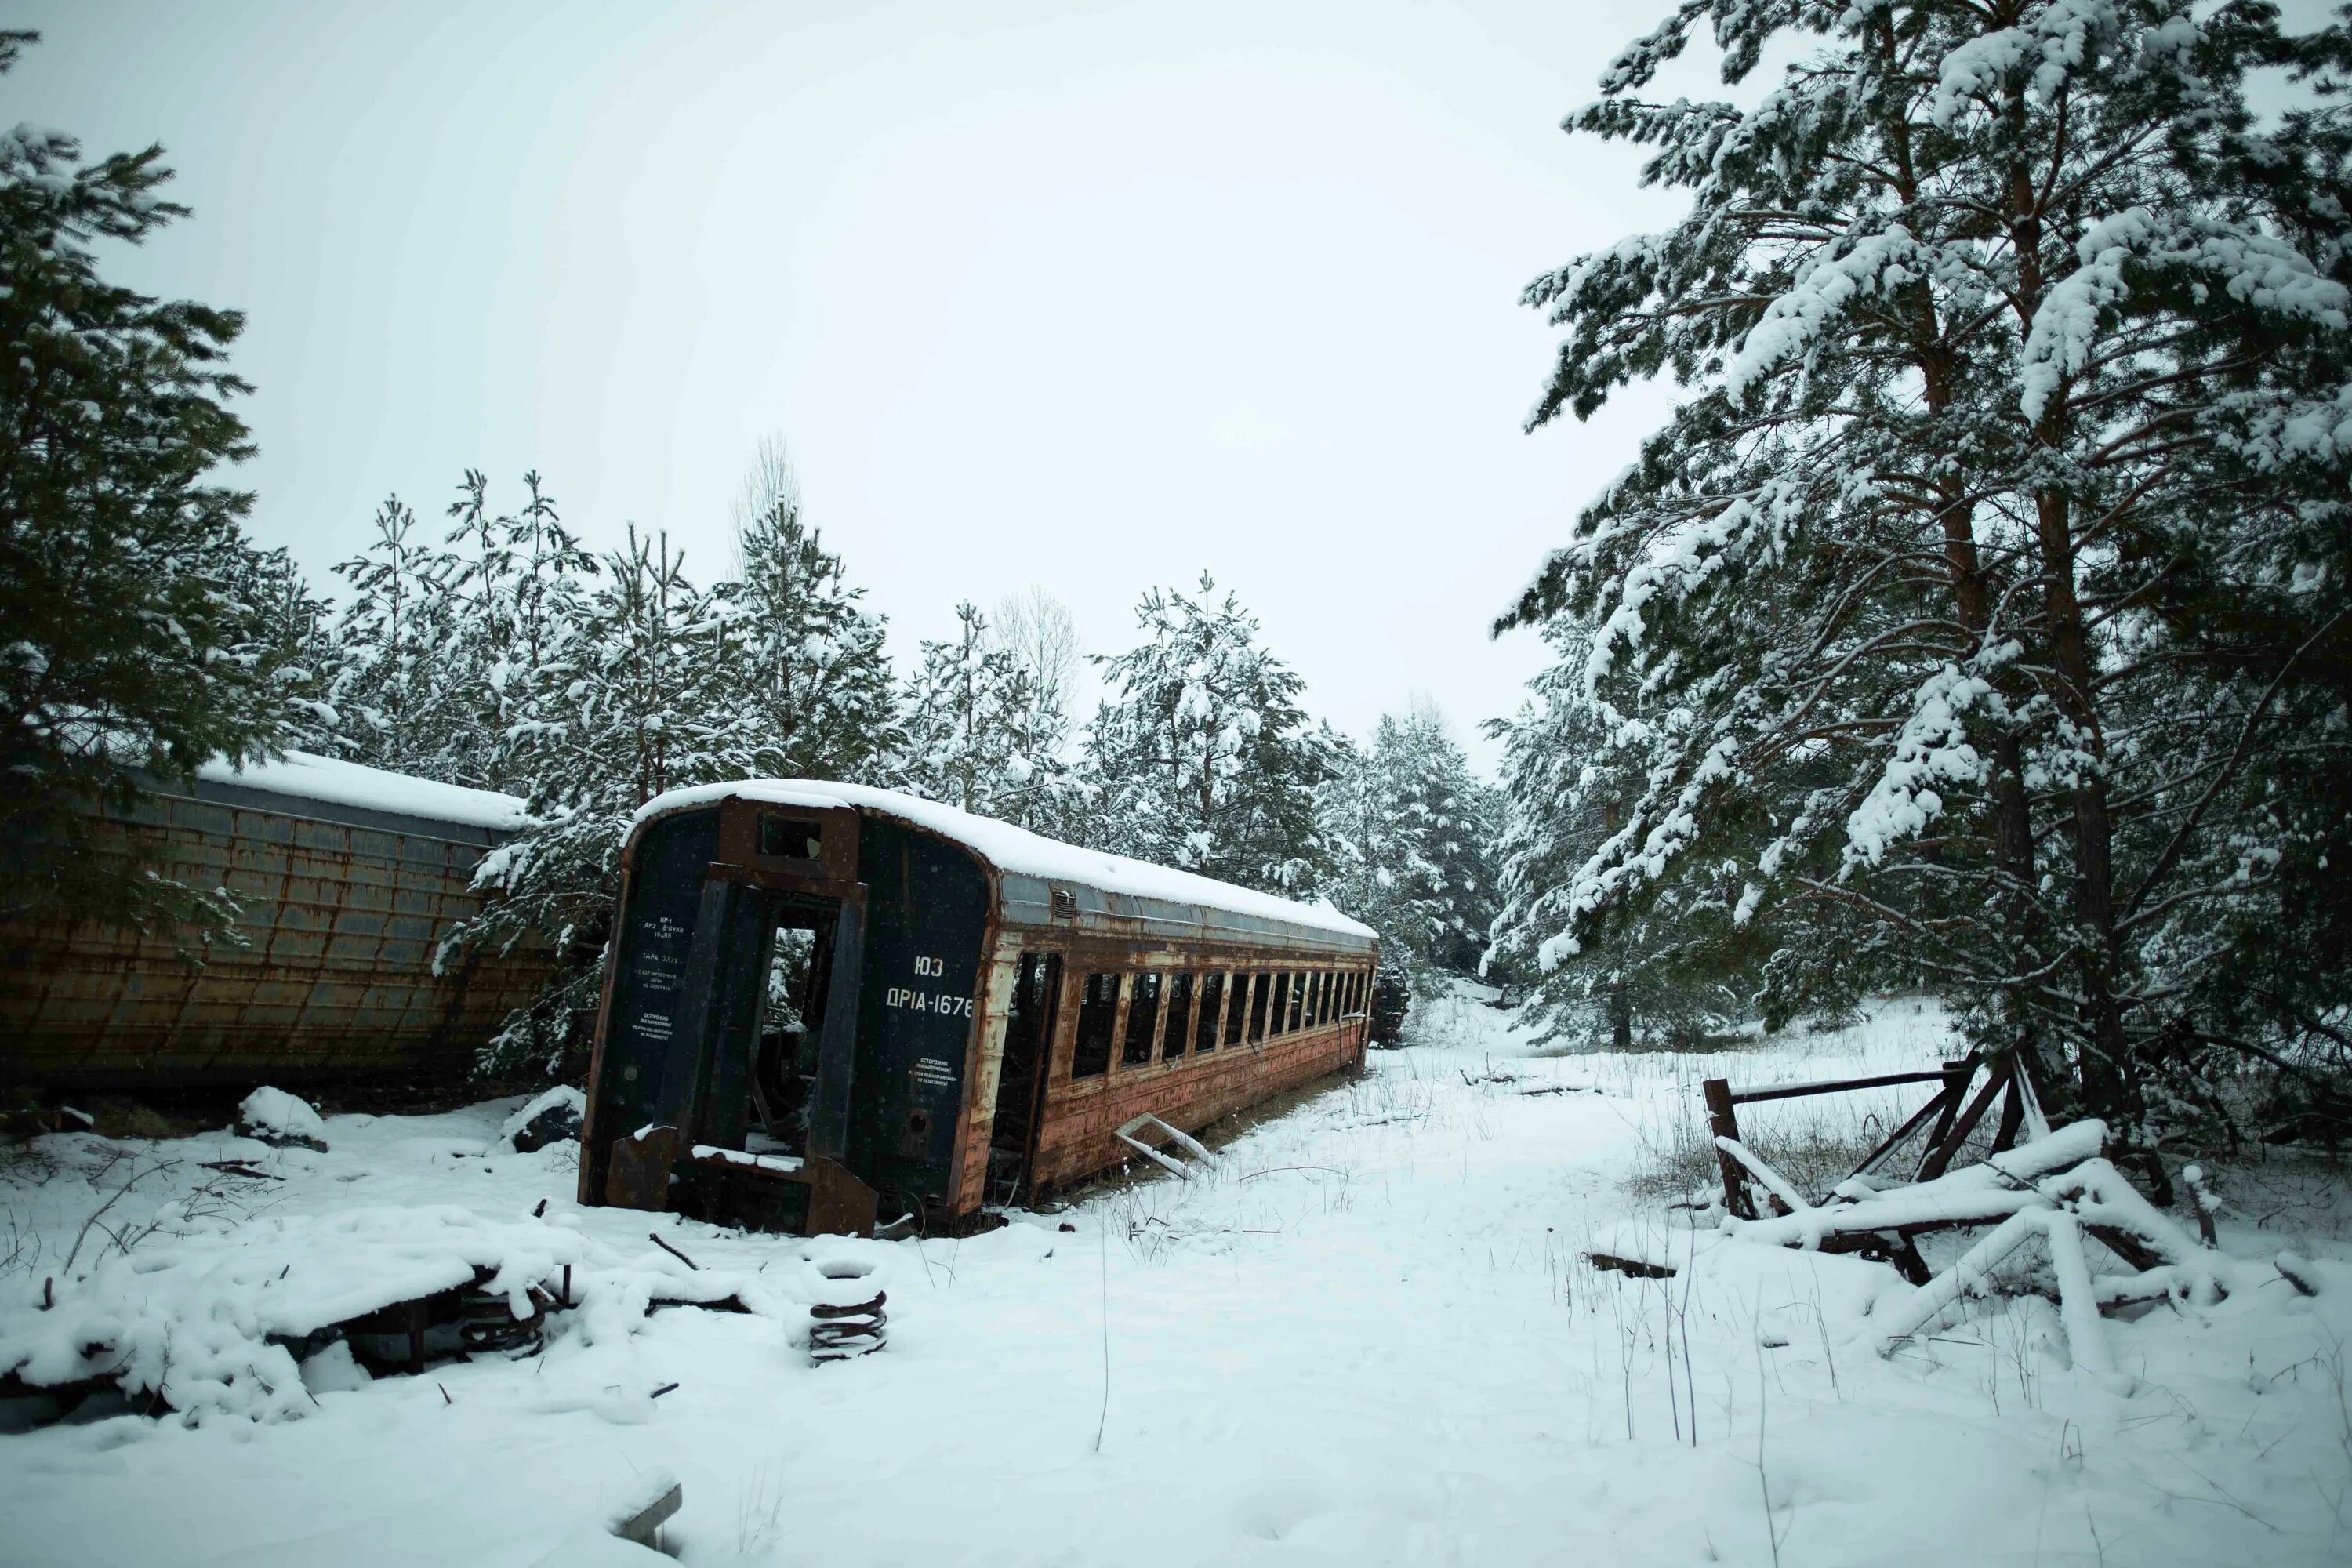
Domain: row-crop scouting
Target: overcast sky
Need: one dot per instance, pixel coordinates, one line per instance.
(1095, 297)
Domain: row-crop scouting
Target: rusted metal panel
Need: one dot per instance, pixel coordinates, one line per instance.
(1077, 1135)
(342, 910)
(986, 1056)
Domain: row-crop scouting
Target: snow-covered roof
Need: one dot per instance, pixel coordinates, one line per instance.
(1016, 852)
(327, 779)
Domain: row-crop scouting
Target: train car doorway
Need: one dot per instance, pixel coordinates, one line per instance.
(1021, 1075)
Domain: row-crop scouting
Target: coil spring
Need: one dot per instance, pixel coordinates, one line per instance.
(839, 1334)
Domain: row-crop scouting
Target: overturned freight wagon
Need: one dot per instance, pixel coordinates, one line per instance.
(823, 998)
(347, 878)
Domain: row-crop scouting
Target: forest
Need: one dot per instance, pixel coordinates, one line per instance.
(1879, 1057)
(1975, 627)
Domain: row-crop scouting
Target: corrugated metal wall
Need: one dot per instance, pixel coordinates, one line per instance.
(343, 907)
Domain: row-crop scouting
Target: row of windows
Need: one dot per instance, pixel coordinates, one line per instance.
(1173, 1013)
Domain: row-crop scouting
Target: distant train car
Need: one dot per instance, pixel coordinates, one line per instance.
(348, 878)
(821, 999)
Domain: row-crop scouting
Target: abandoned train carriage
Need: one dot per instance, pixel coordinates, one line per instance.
(348, 879)
(822, 997)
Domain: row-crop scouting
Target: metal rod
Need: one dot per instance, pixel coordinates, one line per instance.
(1797, 1090)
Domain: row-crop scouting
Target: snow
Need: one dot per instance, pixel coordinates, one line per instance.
(272, 1114)
(1365, 1337)
(563, 1094)
(330, 779)
(1018, 851)
(786, 1163)
(1932, 748)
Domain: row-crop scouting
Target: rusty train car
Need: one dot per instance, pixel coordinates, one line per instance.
(823, 1002)
(347, 878)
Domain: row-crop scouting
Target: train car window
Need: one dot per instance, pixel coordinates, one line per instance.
(1142, 1014)
(1260, 993)
(1097, 1012)
(1212, 1011)
(1331, 995)
(1281, 1008)
(789, 839)
(1179, 1017)
(1298, 1000)
(1236, 1008)
(1355, 991)
(1315, 998)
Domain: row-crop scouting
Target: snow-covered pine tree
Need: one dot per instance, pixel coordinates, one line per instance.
(819, 701)
(644, 698)
(516, 585)
(1671, 967)
(1456, 819)
(968, 715)
(447, 650)
(1408, 831)
(124, 644)
(1202, 758)
(1984, 330)
(391, 687)
(293, 634)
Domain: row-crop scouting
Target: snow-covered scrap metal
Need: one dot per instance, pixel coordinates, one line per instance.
(216, 1317)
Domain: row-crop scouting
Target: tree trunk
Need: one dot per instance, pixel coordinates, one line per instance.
(2106, 1077)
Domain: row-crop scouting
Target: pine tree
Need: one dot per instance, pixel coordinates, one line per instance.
(1408, 831)
(970, 737)
(1674, 966)
(1905, 620)
(819, 700)
(296, 632)
(447, 649)
(124, 644)
(1202, 758)
(393, 686)
(647, 701)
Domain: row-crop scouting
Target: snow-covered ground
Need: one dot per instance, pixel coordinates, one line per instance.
(1366, 1337)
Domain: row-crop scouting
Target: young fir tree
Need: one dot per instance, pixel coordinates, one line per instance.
(390, 691)
(970, 711)
(1914, 620)
(1408, 831)
(125, 645)
(819, 701)
(1202, 757)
